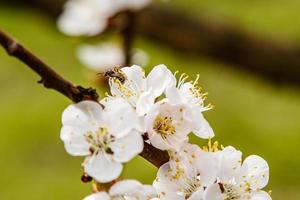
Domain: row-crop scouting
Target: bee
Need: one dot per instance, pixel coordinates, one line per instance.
(116, 73)
(86, 178)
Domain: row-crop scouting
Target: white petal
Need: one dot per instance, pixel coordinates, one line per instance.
(187, 154)
(79, 119)
(98, 196)
(201, 127)
(165, 186)
(159, 79)
(230, 163)
(102, 168)
(213, 192)
(261, 195)
(101, 57)
(255, 170)
(136, 77)
(176, 140)
(157, 141)
(197, 195)
(171, 196)
(126, 187)
(119, 116)
(207, 167)
(140, 57)
(173, 95)
(145, 103)
(84, 113)
(84, 17)
(74, 140)
(148, 191)
(132, 188)
(181, 126)
(131, 4)
(127, 147)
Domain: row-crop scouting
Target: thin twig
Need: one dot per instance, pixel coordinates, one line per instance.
(51, 79)
(128, 35)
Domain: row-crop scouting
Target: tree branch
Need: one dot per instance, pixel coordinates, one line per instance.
(277, 61)
(51, 79)
(155, 156)
(272, 59)
(128, 35)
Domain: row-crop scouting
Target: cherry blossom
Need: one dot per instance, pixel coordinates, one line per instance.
(166, 125)
(141, 91)
(238, 181)
(186, 175)
(109, 133)
(101, 57)
(126, 189)
(106, 56)
(131, 4)
(194, 174)
(104, 136)
(190, 95)
(85, 17)
(90, 17)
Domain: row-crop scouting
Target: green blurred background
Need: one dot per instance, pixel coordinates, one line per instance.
(251, 114)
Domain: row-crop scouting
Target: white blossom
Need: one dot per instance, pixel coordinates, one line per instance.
(167, 126)
(104, 136)
(186, 175)
(109, 134)
(126, 190)
(101, 57)
(141, 91)
(90, 17)
(85, 17)
(106, 56)
(189, 94)
(131, 4)
(238, 181)
(140, 57)
(194, 174)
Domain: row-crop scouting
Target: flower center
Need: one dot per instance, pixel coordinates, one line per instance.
(235, 192)
(164, 126)
(99, 140)
(192, 186)
(122, 197)
(189, 186)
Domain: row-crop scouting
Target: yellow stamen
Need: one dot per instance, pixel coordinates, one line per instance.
(164, 126)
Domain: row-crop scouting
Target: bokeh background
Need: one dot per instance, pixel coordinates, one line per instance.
(251, 113)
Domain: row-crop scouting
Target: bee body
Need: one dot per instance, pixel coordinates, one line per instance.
(116, 73)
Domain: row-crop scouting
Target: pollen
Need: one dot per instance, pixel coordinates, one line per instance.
(164, 126)
(211, 147)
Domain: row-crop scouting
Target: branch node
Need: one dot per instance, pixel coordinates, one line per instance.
(86, 94)
(13, 47)
(41, 81)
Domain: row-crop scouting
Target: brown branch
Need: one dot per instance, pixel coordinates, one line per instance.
(155, 156)
(128, 35)
(51, 79)
(275, 60)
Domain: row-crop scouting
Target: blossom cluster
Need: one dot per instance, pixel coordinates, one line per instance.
(162, 111)
(92, 17)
